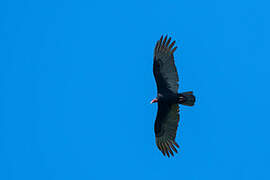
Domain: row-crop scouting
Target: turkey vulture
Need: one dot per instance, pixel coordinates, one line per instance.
(168, 98)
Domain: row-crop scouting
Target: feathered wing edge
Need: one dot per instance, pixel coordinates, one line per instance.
(167, 146)
(164, 44)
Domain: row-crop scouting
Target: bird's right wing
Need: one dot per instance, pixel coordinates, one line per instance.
(166, 127)
(164, 68)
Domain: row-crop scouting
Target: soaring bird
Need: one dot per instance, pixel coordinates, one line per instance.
(168, 98)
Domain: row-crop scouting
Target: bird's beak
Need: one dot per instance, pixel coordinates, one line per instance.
(153, 101)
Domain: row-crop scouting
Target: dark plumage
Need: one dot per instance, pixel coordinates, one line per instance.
(168, 98)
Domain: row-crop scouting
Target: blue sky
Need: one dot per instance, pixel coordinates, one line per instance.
(76, 81)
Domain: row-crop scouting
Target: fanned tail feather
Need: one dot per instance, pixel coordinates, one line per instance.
(187, 98)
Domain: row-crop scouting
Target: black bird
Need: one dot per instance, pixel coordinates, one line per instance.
(168, 98)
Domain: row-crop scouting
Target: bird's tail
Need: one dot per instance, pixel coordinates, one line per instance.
(186, 98)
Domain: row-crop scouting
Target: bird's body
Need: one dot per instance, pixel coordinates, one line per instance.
(168, 98)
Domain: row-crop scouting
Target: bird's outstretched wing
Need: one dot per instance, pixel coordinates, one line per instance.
(167, 83)
(164, 68)
(166, 127)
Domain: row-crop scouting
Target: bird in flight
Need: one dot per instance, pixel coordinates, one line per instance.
(168, 98)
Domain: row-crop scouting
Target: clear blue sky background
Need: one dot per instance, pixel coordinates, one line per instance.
(76, 81)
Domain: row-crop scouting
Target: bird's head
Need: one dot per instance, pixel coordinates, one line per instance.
(154, 101)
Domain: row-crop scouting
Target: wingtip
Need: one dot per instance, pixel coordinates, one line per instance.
(168, 147)
(172, 44)
(168, 42)
(175, 143)
(174, 49)
(161, 38)
(164, 41)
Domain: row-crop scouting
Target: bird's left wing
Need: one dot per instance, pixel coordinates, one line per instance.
(164, 69)
(166, 127)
